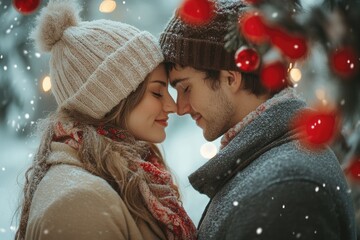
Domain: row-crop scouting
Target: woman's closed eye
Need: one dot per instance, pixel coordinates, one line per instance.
(157, 94)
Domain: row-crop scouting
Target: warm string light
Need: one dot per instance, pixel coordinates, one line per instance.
(321, 95)
(295, 75)
(107, 6)
(46, 84)
(208, 150)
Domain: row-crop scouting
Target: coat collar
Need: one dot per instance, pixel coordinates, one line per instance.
(62, 153)
(271, 127)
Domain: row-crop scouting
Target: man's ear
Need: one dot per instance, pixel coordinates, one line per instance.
(232, 80)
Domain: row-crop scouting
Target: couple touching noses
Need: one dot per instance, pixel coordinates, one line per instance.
(98, 173)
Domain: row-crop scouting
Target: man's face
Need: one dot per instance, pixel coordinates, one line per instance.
(211, 109)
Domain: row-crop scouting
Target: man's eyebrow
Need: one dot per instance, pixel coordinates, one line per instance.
(159, 81)
(177, 80)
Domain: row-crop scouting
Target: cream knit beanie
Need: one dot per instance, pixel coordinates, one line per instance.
(96, 64)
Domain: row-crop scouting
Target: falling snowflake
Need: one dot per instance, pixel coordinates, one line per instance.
(259, 231)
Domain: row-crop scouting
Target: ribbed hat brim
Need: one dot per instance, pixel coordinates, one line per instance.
(197, 53)
(117, 76)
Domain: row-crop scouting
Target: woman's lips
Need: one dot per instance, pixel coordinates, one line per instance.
(162, 122)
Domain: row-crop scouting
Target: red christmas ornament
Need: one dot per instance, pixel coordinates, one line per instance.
(247, 59)
(317, 127)
(344, 62)
(26, 6)
(353, 170)
(292, 46)
(196, 12)
(253, 27)
(274, 76)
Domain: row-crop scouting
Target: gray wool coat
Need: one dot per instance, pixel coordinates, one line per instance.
(265, 185)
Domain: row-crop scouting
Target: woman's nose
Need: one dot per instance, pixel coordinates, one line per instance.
(170, 105)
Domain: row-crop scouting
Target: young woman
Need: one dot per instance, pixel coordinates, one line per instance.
(97, 173)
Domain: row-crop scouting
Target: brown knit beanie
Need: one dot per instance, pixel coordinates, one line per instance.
(95, 64)
(201, 46)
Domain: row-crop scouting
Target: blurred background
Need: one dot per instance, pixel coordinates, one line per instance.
(25, 97)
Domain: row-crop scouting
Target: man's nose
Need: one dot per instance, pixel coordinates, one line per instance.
(183, 106)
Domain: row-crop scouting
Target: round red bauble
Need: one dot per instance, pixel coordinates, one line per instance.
(247, 59)
(353, 170)
(292, 46)
(196, 12)
(317, 127)
(253, 27)
(274, 76)
(344, 62)
(26, 6)
(320, 128)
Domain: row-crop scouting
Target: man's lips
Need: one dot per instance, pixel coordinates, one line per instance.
(196, 118)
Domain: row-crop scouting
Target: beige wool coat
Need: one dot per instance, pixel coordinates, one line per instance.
(71, 203)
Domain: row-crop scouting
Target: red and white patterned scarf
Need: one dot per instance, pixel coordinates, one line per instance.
(285, 94)
(157, 191)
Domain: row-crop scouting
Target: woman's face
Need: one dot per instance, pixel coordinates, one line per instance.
(148, 120)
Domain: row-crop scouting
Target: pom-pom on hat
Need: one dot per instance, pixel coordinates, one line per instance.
(93, 64)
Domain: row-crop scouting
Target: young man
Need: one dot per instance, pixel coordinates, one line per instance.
(263, 184)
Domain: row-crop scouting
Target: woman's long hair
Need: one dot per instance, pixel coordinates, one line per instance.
(99, 155)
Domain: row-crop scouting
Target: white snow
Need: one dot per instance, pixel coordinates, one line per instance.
(14, 160)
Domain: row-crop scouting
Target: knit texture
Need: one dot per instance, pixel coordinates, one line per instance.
(95, 64)
(284, 95)
(72, 203)
(263, 184)
(201, 46)
(156, 189)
